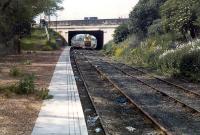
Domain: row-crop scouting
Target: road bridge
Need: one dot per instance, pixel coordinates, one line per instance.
(102, 29)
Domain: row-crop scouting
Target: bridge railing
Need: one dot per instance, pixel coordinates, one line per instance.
(89, 22)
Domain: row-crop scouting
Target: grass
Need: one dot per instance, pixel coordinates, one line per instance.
(27, 62)
(43, 94)
(15, 72)
(162, 53)
(26, 86)
(37, 41)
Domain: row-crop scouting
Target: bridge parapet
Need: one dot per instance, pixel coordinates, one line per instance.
(89, 22)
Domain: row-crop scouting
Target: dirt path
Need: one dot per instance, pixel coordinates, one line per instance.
(18, 113)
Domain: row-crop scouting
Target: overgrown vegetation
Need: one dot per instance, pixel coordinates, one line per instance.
(121, 33)
(25, 86)
(15, 72)
(44, 94)
(38, 41)
(27, 62)
(163, 35)
(17, 16)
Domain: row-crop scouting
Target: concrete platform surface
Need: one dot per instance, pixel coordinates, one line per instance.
(62, 115)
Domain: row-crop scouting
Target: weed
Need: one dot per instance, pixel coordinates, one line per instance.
(44, 94)
(2, 89)
(38, 41)
(8, 90)
(109, 48)
(118, 52)
(27, 62)
(47, 48)
(161, 52)
(7, 93)
(26, 85)
(190, 65)
(15, 72)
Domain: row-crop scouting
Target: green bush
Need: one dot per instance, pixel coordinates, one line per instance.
(26, 85)
(53, 45)
(38, 40)
(169, 64)
(134, 40)
(143, 15)
(8, 90)
(46, 48)
(175, 61)
(15, 72)
(109, 48)
(43, 94)
(156, 28)
(27, 62)
(190, 65)
(121, 33)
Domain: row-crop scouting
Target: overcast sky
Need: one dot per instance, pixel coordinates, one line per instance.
(78, 9)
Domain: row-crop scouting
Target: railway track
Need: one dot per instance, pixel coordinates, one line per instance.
(176, 116)
(87, 104)
(117, 112)
(184, 96)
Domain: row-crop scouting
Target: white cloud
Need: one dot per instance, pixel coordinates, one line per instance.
(78, 9)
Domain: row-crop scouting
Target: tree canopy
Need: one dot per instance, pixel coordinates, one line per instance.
(121, 33)
(181, 16)
(17, 14)
(143, 15)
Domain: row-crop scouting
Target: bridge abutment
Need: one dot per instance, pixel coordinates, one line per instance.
(106, 26)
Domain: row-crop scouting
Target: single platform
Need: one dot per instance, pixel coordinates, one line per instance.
(62, 115)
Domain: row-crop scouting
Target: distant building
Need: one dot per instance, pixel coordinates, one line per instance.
(90, 18)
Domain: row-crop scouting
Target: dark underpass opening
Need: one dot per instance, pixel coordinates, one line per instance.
(98, 34)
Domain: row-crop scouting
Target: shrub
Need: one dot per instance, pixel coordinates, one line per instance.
(26, 85)
(8, 90)
(54, 46)
(119, 52)
(190, 65)
(15, 72)
(169, 64)
(143, 15)
(27, 62)
(50, 45)
(47, 48)
(177, 60)
(121, 33)
(109, 48)
(43, 94)
(38, 41)
(156, 28)
(134, 40)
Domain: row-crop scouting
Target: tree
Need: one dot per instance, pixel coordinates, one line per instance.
(16, 16)
(156, 28)
(121, 33)
(143, 15)
(181, 16)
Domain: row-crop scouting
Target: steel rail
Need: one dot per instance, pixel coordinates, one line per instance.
(156, 89)
(87, 90)
(168, 82)
(153, 120)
